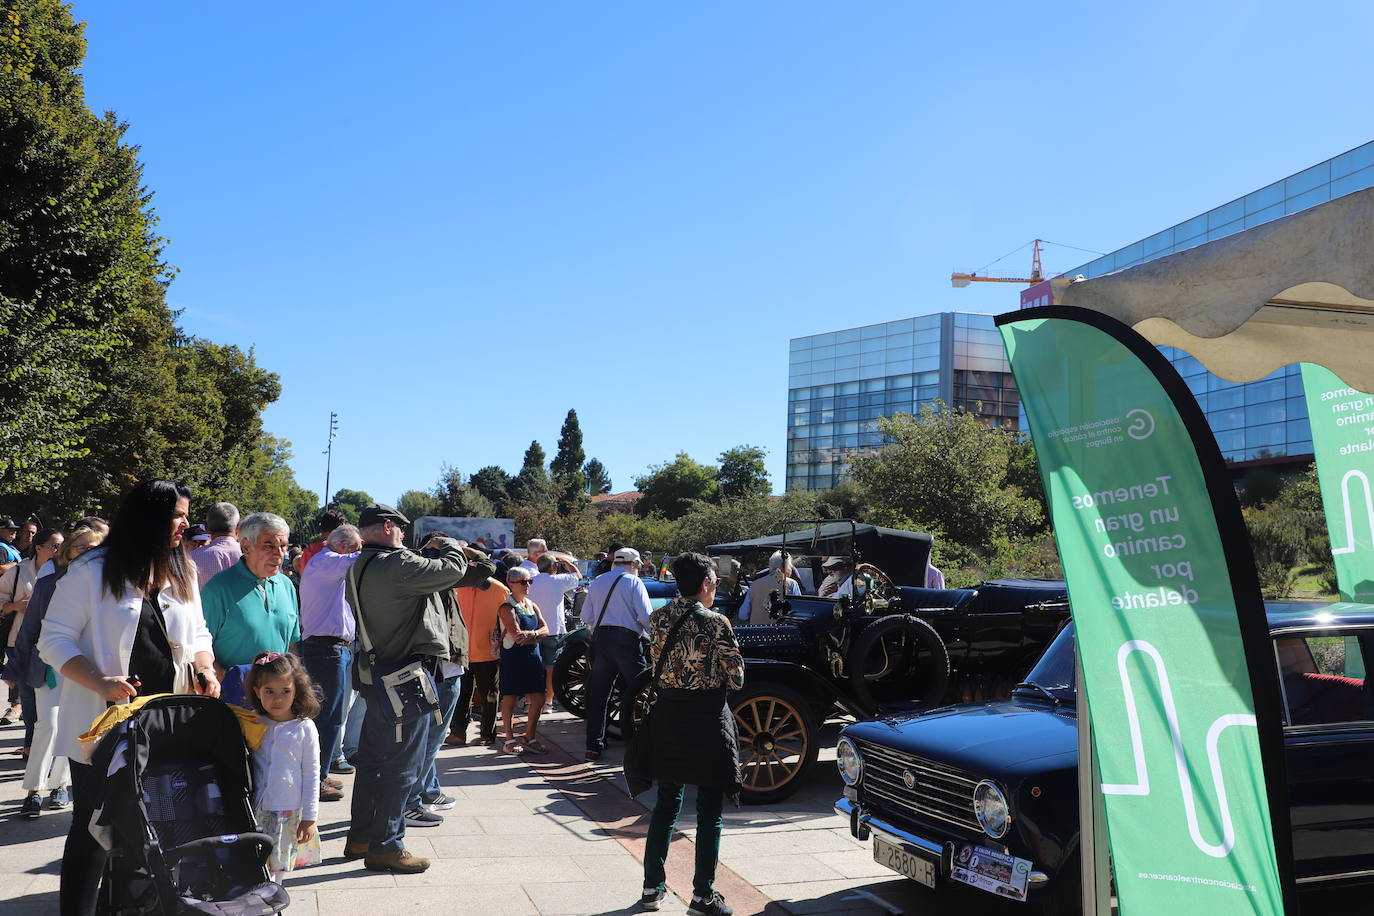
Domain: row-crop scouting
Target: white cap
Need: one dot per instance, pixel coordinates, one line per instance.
(627, 555)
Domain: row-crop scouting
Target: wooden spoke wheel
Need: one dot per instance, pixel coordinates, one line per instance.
(570, 679)
(778, 740)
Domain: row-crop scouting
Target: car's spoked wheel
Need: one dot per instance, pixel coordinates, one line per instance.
(777, 741)
(570, 679)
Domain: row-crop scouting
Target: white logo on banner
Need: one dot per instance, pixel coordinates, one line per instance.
(1349, 516)
(1141, 786)
(1142, 423)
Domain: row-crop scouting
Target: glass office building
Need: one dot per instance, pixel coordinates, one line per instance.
(839, 383)
(1263, 422)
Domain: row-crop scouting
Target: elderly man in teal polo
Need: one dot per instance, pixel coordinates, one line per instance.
(251, 607)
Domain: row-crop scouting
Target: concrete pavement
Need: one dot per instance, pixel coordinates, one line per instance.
(543, 836)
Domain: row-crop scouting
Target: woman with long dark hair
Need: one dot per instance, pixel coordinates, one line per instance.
(129, 607)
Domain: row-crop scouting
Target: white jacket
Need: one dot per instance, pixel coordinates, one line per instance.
(85, 619)
(286, 768)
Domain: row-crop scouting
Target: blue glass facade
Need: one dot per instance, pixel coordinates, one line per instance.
(1266, 419)
(840, 382)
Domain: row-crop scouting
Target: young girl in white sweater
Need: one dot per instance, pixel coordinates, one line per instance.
(286, 766)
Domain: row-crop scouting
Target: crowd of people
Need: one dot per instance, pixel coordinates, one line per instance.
(359, 655)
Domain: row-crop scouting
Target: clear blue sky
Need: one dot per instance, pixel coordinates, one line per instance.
(453, 221)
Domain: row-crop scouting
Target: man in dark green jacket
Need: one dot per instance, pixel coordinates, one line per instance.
(395, 596)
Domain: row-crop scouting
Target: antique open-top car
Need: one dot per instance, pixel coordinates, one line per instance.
(892, 644)
(986, 794)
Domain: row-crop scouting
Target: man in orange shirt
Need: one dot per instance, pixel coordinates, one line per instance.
(328, 521)
(479, 607)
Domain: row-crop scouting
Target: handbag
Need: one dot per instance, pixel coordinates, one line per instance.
(639, 751)
(404, 688)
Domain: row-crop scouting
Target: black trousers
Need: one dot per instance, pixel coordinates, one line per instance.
(479, 683)
(83, 859)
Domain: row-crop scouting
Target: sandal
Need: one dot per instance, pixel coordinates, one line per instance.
(513, 746)
(535, 746)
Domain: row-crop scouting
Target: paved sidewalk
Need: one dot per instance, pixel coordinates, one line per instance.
(537, 836)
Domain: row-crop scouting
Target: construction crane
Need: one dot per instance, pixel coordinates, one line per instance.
(961, 280)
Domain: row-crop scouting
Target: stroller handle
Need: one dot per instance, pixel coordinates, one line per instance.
(261, 842)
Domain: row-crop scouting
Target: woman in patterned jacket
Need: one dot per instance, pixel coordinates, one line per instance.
(693, 736)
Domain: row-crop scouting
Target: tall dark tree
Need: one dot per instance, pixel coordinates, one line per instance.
(81, 272)
(570, 486)
(532, 485)
(98, 387)
(742, 473)
(569, 457)
(598, 480)
(493, 483)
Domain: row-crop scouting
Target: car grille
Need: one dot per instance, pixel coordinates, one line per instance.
(782, 643)
(941, 792)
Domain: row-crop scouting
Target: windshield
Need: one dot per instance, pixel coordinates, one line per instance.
(1055, 670)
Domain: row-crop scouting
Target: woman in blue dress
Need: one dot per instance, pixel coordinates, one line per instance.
(522, 669)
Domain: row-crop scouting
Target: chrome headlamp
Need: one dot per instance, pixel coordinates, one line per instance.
(849, 761)
(990, 807)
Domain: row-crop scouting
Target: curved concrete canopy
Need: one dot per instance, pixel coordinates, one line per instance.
(1297, 289)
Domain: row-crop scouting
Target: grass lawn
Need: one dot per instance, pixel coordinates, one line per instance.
(1310, 584)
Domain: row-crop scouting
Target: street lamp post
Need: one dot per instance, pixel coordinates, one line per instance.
(329, 452)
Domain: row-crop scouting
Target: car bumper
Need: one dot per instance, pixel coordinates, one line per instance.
(862, 824)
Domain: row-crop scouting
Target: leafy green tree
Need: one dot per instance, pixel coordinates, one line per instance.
(415, 504)
(570, 485)
(351, 503)
(81, 267)
(532, 485)
(946, 471)
(742, 472)
(454, 497)
(670, 488)
(98, 387)
(598, 481)
(493, 483)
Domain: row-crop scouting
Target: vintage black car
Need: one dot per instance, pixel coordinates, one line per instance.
(997, 782)
(893, 644)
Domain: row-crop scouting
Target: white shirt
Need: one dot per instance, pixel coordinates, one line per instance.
(16, 584)
(286, 768)
(547, 591)
(85, 619)
(529, 564)
(629, 605)
(758, 595)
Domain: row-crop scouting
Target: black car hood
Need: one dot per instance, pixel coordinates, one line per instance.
(1001, 738)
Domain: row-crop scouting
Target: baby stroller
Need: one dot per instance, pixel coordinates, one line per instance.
(176, 813)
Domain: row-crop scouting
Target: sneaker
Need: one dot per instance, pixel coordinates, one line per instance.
(591, 756)
(652, 897)
(329, 793)
(419, 817)
(402, 862)
(442, 803)
(331, 782)
(354, 850)
(58, 799)
(713, 907)
(12, 715)
(342, 767)
(32, 807)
